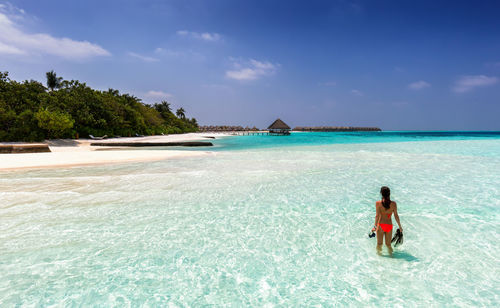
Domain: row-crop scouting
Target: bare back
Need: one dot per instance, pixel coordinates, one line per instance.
(385, 214)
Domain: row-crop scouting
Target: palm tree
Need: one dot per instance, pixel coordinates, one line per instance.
(113, 92)
(181, 113)
(163, 107)
(53, 82)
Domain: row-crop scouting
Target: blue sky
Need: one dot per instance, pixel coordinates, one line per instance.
(393, 64)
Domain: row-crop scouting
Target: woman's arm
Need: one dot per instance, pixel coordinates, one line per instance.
(377, 217)
(396, 216)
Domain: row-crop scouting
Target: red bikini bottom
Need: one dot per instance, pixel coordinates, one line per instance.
(386, 227)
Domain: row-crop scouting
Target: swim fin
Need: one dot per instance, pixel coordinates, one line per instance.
(397, 238)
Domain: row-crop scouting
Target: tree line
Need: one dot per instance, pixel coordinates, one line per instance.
(226, 128)
(29, 111)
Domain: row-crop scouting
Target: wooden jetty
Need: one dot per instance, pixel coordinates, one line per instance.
(24, 148)
(251, 133)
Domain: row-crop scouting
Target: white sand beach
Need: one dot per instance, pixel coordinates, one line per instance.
(70, 152)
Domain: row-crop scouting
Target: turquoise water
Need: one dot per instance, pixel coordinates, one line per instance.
(325, 138)
(257, 224)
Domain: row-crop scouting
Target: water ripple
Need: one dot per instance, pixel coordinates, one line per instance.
(254, 228)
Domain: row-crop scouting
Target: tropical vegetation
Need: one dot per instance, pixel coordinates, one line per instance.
(29, 111)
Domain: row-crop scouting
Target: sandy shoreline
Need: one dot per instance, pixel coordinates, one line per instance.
(72, 153)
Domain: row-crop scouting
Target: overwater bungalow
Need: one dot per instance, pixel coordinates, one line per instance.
(279, 128)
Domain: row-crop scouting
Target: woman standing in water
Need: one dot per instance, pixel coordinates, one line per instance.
(383, 223)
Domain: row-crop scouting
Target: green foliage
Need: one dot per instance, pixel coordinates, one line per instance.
(55, 122)
(28, 112)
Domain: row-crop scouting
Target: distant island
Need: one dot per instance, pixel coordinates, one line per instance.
(232, 128)
(336, 129)
(29, 111)
(226, 128)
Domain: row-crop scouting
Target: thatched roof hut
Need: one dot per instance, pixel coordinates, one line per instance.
(279, 128)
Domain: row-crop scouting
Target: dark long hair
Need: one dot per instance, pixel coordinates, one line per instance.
(386, 196)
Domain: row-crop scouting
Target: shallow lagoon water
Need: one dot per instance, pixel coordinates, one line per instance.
(254, 225)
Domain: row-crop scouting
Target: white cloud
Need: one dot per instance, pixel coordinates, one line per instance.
(468, 83)
(210, 36)
(158, 94)
(189, 55)
(7, 49)
(16, 41)
(204, 36)
(251, 70)
(169, 52)
(143, 58)
(14, 12)
(356, 92)
(159, 50)
(419, 85)
(328, 84)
